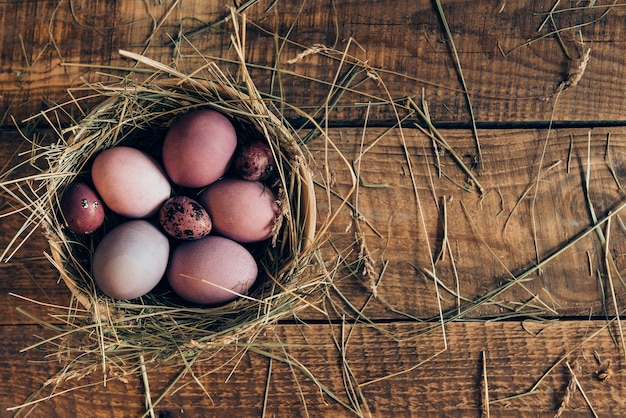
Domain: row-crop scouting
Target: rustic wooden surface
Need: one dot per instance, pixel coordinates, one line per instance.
(561, 317)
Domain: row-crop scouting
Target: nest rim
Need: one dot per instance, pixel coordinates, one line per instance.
(296, 182)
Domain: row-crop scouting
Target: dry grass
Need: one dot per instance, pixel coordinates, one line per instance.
(123, 337)
(303, 270)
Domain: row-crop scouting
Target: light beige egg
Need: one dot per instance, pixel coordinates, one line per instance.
(130, 260)
(130, 182)
(245, 211)
(198, 148)
(211, 271)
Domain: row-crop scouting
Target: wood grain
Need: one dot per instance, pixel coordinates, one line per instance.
(544, 190)
(405, 40)
(427, 380)
(493, 238)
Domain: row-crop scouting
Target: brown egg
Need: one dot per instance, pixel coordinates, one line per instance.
(212, 270)
(198, 148)
(183, 218)
(254, 161)
(130, 260)
(242, 210)
(130, 182)
(82, 209)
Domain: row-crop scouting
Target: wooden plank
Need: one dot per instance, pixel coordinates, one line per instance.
(540, 192)
(397, 370)
(405, 39)
(518, 223)
(492, 238)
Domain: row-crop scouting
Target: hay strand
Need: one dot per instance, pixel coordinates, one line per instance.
(123, 337)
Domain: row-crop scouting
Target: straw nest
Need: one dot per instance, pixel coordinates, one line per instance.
(159, 325)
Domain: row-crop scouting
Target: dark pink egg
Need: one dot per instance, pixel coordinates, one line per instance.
(82, 208)
(198, 148)
(183, 218)
(254, 161)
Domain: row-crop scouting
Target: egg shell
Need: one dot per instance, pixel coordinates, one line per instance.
(130, 182)
(130, 260)
(183, 218)
(254, 160)
(212, 270)
(242, 210)
(198, 148)
(82, 208)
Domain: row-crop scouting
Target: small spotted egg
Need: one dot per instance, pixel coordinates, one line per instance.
(185, 219)
(82, 208)
(254, 161)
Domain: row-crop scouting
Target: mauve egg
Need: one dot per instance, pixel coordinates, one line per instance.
(198, 148)
(212, 270)
(245, 211)
(82, 209)
(130, 260)
(183, 218)
(130, 182)
(254, 160)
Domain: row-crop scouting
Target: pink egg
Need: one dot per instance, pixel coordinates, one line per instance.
(130, 182)
(198, 148)
(82, 209)
(245, 211)
(212, 270)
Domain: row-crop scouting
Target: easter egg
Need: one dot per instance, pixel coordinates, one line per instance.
(183, 218)
(254, 161)
(245, 211)
(130, 260)
(130, 182)
(212, 270)
(198, 148)
(82, 209)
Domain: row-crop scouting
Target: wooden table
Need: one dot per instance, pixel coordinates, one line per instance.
(545, 138)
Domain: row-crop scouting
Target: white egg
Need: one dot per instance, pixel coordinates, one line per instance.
(130, 260)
